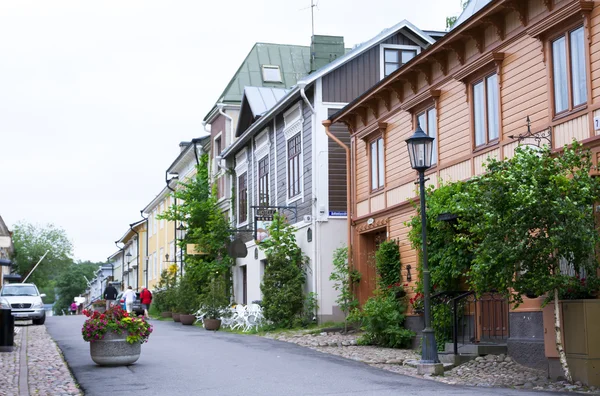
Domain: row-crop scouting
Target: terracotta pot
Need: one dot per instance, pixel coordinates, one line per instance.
(212, 324)
(165, 314)
(114, 350)
(187, 320)
(175, 317)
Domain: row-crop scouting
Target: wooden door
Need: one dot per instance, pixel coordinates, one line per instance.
(244, 285)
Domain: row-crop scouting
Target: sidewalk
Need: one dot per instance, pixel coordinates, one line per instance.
(35, 366)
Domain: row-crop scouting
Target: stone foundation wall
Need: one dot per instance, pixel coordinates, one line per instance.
(526, 342)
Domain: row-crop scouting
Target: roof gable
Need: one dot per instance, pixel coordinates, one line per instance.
(256, 102)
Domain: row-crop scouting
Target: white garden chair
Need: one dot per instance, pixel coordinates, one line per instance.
(254, 316)
(239, 317)
(227, 317)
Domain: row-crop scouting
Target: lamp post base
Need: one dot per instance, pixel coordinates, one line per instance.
(430, 368)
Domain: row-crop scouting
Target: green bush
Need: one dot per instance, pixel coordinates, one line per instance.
(382, 318)
(187, 299)
(215, 298)
(387, 261)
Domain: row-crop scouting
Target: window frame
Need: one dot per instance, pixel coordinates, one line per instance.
(424, 110)
(274, 67)
(398, 47)
(294, 163)
(239, 199)
(482, 77)
(294, 126)
(376, 139)
(565, 33)
(262, 178)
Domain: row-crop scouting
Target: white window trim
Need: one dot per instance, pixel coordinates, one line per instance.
(291, 129)
(259, 154)
(216, 171)
(383, 47)
(262, 72)
(241, 167)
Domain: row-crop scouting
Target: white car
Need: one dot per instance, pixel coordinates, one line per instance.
(24, 301)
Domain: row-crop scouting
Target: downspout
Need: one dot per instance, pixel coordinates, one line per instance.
(302, 86)
(327, 124)
(137, 251)
(122, 262)
(146, 259)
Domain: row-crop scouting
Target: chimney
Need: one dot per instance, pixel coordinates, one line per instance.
(324, 50)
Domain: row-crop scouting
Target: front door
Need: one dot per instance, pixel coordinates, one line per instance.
(244, 284)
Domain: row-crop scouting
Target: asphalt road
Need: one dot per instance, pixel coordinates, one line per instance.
(187, 360)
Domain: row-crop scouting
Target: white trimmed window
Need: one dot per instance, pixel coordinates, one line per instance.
(569, 70)
(294, 162)
(161, 260)
(393, 56)
(241, 170)
(162, 211)
(271, 73)
(428, 122)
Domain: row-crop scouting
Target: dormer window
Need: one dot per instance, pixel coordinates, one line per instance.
(271, 73)
(393, 56)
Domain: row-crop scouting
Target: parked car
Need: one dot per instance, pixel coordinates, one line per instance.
(137, 304)
(25, 302)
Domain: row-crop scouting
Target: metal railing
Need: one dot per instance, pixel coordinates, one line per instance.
(475, 319)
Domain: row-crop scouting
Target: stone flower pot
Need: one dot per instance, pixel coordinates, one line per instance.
(212, 324)
(175, 317)
(187, 320)
(114, 350)
(165, 314)
(99, 308)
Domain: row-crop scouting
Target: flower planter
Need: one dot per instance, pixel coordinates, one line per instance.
(187, 320)
(212, 324)
(114, 350)
(175, 317)
(99, 308)
(165, 314)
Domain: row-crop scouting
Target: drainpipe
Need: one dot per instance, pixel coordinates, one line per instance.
(316, 224)
(327, 124)
(122, 262)
(137, 251)
(146, 259)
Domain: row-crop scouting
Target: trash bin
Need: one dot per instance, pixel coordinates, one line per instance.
(7, 330)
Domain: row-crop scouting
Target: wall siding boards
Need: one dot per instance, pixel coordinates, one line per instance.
(337, 167)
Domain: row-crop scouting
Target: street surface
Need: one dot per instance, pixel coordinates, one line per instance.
(187, 360)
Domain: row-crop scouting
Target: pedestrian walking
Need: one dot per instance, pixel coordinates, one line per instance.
(73, 308)
(146, 297)
(129, 297)
(110, 295)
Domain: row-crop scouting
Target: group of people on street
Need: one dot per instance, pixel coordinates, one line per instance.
(110, 295)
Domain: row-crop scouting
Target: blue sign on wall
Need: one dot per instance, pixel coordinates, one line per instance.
(337, 214)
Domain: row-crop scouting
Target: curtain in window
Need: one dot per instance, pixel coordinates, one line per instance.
(492, 107)
(374, 162)
(380, 160)
(578, 77)
(479, 113)
(559, 63)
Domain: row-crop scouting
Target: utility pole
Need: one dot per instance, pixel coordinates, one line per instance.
(38, 263)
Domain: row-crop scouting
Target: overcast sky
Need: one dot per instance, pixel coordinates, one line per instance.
(95, 96)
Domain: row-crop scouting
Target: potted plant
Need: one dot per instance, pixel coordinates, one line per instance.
(115, 337)
(187, 301)
(214, 303)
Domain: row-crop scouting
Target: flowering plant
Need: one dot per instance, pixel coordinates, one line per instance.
(417, 302)
(576, 288)
(118, 321)
(99, 303)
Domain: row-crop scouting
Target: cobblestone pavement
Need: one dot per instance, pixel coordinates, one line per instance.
(9, 372)
(486, 371)
(47, 372)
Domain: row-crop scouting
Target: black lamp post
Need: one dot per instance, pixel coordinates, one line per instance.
(179, 236)
(420, 147)
(128, 255)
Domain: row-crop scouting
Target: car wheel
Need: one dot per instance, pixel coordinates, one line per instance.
(39, 321)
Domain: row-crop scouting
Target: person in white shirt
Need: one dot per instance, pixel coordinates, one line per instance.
(129, 297)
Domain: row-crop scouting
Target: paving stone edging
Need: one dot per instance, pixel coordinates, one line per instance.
(488, 371)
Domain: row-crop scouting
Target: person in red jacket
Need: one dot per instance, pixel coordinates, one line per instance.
(146, 299)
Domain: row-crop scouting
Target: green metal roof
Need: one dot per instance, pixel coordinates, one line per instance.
(293, 62)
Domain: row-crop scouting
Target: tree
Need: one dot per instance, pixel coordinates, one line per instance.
(71, 283)
(284, 276)
(451, 20)
(207, 228)
(536, 209)
(516, 224)
(344, 278)
(31, 242)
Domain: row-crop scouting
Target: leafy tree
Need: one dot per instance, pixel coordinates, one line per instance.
(515, 225)
(207, 227)
(284, 276)
(451, 20)
(31, 242)
(344, 278)
(71, 283)
(387, 262)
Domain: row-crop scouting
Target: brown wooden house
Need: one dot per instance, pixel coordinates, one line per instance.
(473, 91)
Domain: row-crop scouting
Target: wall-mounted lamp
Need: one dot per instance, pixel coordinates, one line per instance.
(255, 253)
(309, 234)
(408, 275)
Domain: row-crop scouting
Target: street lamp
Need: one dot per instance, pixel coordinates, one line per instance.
(180, 235)
(420, 148)
(128, 255)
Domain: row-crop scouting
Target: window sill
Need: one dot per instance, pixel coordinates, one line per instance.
(295, 198)
(379, 190)
(565, 115)
(484, 147)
